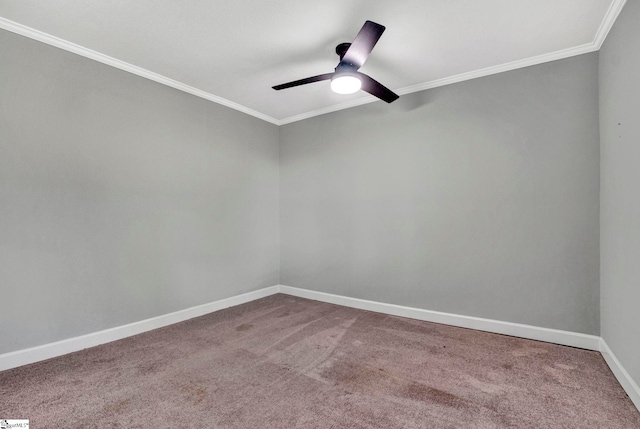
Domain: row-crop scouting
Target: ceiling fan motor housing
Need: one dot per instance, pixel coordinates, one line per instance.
(346, 68)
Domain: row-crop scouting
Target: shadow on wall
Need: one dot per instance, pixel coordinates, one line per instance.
(406, 103)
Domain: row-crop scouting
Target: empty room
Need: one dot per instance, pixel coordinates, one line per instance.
(338, 214)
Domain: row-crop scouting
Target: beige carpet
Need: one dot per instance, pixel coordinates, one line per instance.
(285, 362)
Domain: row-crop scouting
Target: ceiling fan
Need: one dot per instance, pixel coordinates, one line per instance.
(347, 79)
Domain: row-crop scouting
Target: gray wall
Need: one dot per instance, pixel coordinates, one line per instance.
(620, 188)
(122, 199)
(479, 198)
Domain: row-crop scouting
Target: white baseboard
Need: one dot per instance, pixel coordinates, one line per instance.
(59, 348)
(566, 338)
(625, 380)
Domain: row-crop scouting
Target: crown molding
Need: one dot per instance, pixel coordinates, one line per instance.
(526, 62)
(607, 23)
(40, 36)
(334, 108)
(605, 26)
(501, 68)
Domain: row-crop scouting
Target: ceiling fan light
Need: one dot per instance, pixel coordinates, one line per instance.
(346, 84)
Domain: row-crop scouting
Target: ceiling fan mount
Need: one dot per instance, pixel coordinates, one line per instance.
(342, 48)
(346, 79)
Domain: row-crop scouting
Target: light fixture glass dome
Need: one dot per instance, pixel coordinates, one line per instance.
(345, 84)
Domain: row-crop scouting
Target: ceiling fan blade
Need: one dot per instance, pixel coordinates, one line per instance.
(374, 87)
(305, 81)
(363, 44)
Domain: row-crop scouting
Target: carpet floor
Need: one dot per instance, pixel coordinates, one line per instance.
(286, 362)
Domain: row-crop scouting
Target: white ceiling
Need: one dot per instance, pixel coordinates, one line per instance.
(233, 52)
